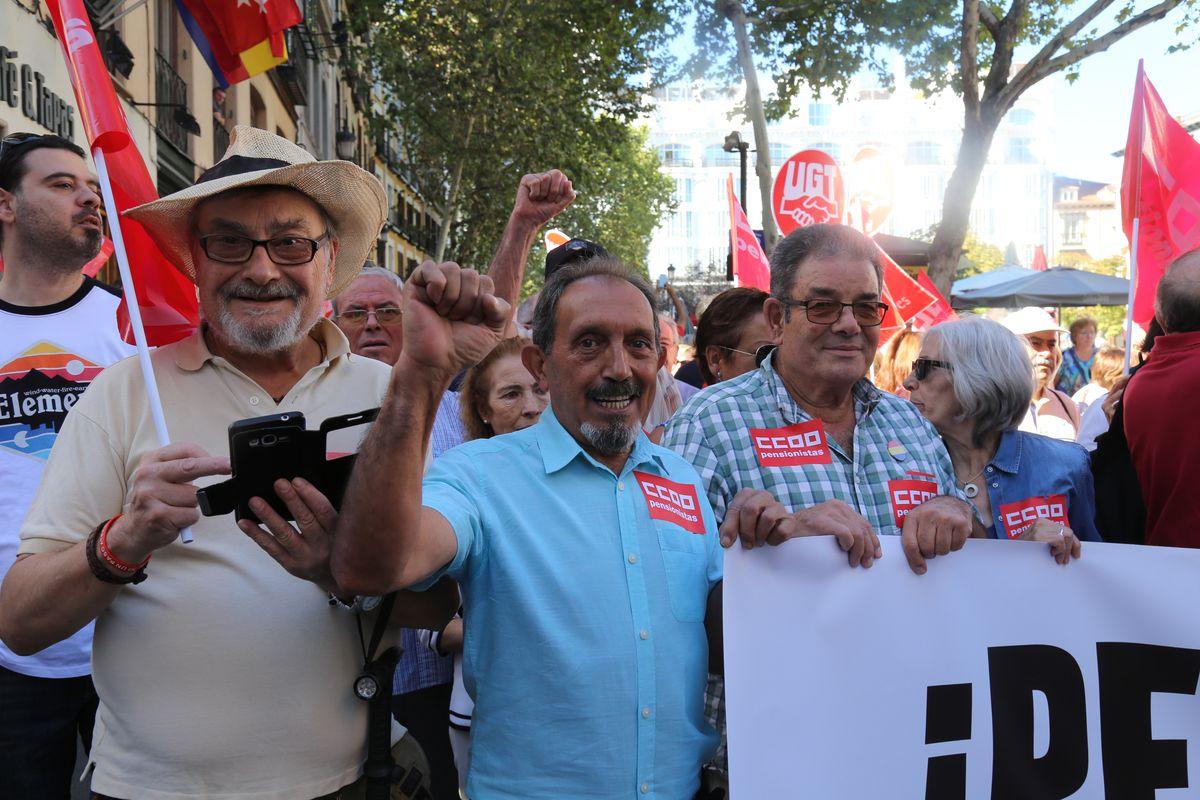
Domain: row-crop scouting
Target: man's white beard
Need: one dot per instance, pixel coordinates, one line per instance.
(263, 340)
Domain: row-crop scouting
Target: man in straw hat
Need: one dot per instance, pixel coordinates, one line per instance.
(220, 675)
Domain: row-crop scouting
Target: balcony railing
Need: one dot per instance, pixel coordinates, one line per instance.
(220, 141)
(170, 88)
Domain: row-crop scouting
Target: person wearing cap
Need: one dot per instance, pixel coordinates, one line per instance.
(1051, 412)
(971, 379)
(224, 667)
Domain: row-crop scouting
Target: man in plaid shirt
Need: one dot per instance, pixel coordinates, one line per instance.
(807, 429)
(808, 434)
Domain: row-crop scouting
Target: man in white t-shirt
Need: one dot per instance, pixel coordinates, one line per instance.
(58, 330)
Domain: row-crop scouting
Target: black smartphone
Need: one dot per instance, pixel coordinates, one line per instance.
(261, 451)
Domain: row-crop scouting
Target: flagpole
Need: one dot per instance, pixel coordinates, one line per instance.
(1132, 283)
(135, 312)
(1137, 210)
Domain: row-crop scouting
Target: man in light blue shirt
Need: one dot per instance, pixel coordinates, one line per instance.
(586, 554)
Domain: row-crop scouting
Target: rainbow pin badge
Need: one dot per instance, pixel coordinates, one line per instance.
(896, 450)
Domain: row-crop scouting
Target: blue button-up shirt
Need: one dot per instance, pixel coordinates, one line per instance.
(585, 645)
(1028, 466)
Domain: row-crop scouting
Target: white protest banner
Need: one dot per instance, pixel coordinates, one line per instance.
(998, 674)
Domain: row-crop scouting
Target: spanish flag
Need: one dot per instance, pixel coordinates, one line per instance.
(239, 38)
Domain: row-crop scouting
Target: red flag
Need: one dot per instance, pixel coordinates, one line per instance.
(1160, 187)
(908, 299)
(750, 266)
(166, 298)
(93, 267)
(1039, 259)
(241, 24)
(938, 311)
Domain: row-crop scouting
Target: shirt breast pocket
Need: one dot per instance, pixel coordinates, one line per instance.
(685, 562)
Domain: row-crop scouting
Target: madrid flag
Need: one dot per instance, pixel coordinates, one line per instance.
(166, 298)
(1160, 187)
(750, 266)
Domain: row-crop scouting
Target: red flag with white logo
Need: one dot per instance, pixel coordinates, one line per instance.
(750, 266)
(1160, 189)
(166, 298)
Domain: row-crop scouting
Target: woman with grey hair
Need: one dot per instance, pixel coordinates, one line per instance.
(972, 381)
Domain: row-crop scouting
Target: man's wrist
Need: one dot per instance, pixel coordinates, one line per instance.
(408, 372)
(119, 540)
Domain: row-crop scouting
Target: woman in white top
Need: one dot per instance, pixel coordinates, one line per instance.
(1106, 371)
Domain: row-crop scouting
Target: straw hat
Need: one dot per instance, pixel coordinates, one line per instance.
(1031, 319)
(353, 198)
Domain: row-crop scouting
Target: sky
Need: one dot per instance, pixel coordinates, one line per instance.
(1091, 115)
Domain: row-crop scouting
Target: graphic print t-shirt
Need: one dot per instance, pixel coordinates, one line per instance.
(48, 356)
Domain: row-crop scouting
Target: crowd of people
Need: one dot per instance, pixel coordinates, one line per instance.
(542, 500)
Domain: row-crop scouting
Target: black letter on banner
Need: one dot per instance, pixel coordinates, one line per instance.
(1134, 763)
(1016, 673)
(947, 719)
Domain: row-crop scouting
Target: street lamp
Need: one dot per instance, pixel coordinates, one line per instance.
(671, 274)
(734, 142)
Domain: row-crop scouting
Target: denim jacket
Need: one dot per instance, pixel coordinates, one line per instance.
(1032, 476)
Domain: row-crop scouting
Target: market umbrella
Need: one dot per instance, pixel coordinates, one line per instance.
(1057, 286)
(993, 277)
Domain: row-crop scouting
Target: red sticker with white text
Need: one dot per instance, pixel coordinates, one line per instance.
(1019, 517)
(671, 502)
(791, 446)
(905, 494)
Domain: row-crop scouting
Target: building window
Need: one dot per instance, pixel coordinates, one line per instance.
(1021, 116)
(828, 148)
(779, 153)
(1072, 228)
(715, 156)
(820, 114)
(924, 153)
(683, 190)
(674, 155)
(1020, 151)
(1069, 194)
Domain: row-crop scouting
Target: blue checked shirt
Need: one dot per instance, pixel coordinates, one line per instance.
(892, 443)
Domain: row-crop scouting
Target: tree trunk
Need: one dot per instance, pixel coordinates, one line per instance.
(452, 197)
(947, 245)
(736, 14)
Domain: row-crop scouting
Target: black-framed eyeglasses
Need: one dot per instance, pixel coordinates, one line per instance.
(287, 251)
(867, 313)
(18, 139)
(384, 315)
(921, 367)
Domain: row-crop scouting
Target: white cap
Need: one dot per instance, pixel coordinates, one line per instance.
(1031, 319)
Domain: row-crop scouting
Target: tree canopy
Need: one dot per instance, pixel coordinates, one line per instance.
(482, 93)
(968, 47)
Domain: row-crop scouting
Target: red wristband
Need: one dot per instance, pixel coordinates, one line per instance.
(107, 555)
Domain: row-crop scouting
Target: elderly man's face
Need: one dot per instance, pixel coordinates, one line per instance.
(670, 342)
(358, 315)
(259, 306)
(601, 370)
(1043, 354)
(828, 355)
